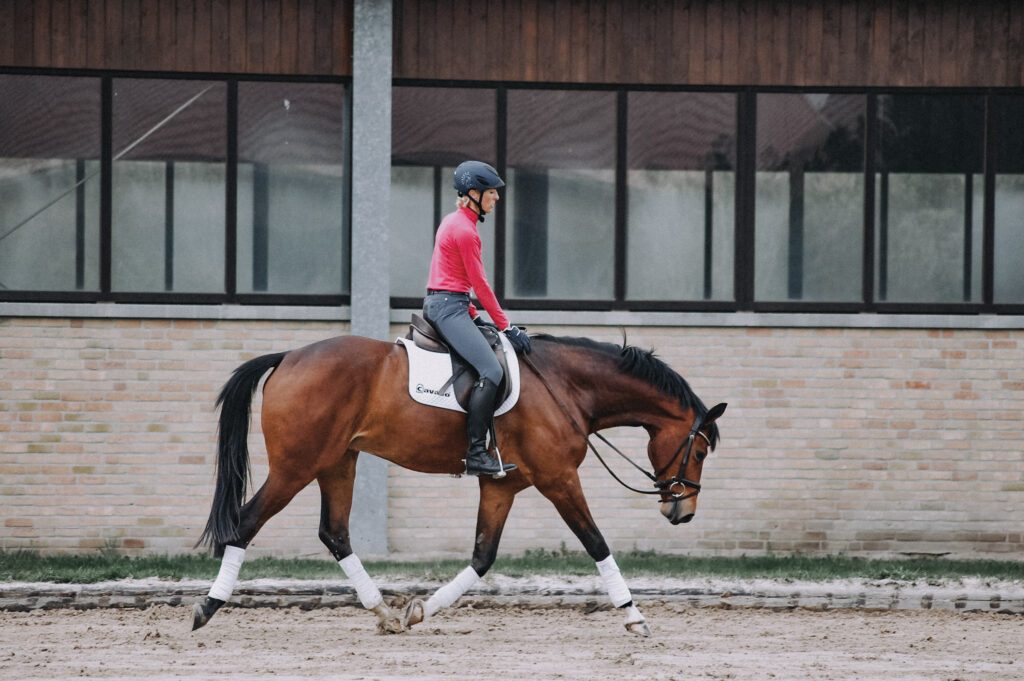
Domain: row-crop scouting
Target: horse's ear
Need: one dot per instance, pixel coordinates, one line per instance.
(714, 413)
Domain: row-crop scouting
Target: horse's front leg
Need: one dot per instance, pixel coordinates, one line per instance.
(567, 496)
(336, 485)
(495, 502)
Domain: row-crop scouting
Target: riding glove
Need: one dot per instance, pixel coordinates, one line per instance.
(519, 340)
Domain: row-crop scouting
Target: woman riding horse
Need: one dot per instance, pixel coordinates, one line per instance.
(325, 403)
(455, 268)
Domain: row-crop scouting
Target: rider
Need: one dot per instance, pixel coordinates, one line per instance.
(455, 268)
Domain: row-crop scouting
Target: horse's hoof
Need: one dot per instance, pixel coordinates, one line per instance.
(413, 613)
(387, 621)
(199, 618)
(202, 612)
(639, 628)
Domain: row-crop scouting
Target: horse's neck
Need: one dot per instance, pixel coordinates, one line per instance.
(607, 397)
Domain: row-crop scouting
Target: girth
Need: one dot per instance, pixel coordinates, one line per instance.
(426, 337)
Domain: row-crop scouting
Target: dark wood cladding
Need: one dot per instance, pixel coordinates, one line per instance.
(945, 43)
(929, 43)
(307, 37)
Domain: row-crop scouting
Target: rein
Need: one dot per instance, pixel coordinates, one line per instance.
(661, 486)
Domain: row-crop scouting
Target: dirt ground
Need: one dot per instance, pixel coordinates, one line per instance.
(514, 642)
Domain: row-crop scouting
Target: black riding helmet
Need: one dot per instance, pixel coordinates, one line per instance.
(476, 175)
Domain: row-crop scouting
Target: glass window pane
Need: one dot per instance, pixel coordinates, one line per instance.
(929, 198)
(809, 211)
(560, 200)
(433, 130)
(1009, 203)
(291, 188)
(49, 183)
(681, 183)
(167, 208)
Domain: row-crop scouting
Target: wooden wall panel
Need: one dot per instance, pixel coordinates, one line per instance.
(308, 37)
(718, 42)
(1015, 44)
(676, 42)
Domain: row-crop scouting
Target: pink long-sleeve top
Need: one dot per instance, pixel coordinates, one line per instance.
(457, 264)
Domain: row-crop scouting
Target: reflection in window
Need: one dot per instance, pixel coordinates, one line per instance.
(560, 202)
(291, 188)
(1009, 203)
(49, 183)
(929, 190)
(682, 186)
(167, 210)
(809, 225)
(433, 130)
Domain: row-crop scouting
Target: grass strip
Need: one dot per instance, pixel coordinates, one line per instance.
(30, 566)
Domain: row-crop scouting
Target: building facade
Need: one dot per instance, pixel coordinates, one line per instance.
(813, 211)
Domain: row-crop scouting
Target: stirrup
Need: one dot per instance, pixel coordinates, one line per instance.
(502, 470)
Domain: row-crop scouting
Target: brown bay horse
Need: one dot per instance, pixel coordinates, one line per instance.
(326, 402)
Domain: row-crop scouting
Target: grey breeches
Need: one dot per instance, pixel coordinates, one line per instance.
(449, 313)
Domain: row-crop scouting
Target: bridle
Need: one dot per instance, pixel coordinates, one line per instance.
(661, 487)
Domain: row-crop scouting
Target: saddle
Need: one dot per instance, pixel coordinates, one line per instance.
(423, 334)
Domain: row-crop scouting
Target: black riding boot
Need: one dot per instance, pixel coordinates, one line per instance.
(478, 421)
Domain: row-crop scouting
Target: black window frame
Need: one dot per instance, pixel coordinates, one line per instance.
(230, 294)
(743, 261)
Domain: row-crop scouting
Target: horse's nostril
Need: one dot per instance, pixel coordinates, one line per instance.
(686, 518)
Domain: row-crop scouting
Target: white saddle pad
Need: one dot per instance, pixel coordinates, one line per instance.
(429, 371)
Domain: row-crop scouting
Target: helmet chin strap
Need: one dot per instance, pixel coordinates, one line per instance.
(480, 212)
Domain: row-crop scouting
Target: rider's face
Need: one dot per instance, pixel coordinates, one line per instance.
(489, 200)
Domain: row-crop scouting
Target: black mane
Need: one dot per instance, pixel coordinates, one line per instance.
(644, 365)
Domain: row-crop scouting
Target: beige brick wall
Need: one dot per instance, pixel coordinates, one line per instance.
(863, 441)
(107, 431)
(876, 442)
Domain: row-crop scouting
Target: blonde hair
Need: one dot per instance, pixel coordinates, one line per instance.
(462, 202)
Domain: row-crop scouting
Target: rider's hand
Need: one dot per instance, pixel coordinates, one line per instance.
(479, 321)
(519, 340)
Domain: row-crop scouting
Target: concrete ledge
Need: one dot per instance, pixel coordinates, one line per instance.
(524, 317)
(969, 596)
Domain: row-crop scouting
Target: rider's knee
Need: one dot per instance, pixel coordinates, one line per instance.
(492, 372)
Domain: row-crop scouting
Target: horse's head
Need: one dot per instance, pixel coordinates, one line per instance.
(677, 455)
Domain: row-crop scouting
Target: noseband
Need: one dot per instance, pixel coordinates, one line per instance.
(680, 477)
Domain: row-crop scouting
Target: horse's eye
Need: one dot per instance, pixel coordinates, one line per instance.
(701, 456)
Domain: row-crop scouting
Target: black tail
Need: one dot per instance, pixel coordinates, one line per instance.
(233, 471)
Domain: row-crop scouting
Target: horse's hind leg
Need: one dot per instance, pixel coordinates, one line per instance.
(336, 486)
(274, 495)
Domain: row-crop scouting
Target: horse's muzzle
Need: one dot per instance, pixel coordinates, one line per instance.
(679, 510)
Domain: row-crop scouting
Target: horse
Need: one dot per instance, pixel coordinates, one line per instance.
(328, 401)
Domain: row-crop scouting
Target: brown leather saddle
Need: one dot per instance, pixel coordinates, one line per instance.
(423, 334)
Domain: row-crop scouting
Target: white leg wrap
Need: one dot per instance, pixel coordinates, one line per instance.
(367, 591)
(614, 584)
(230, 564)
(451, 592)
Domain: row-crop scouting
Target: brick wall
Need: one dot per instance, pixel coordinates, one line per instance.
(863, 441)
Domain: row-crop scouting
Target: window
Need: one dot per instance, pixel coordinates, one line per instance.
(169, 170)
(809, 210)
(176, 189)
(205, 190)
(681, 183)
(49, 183)
(1009, 199)
(433, 130)
(291, 188)
(930, 191)
(560, 202)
